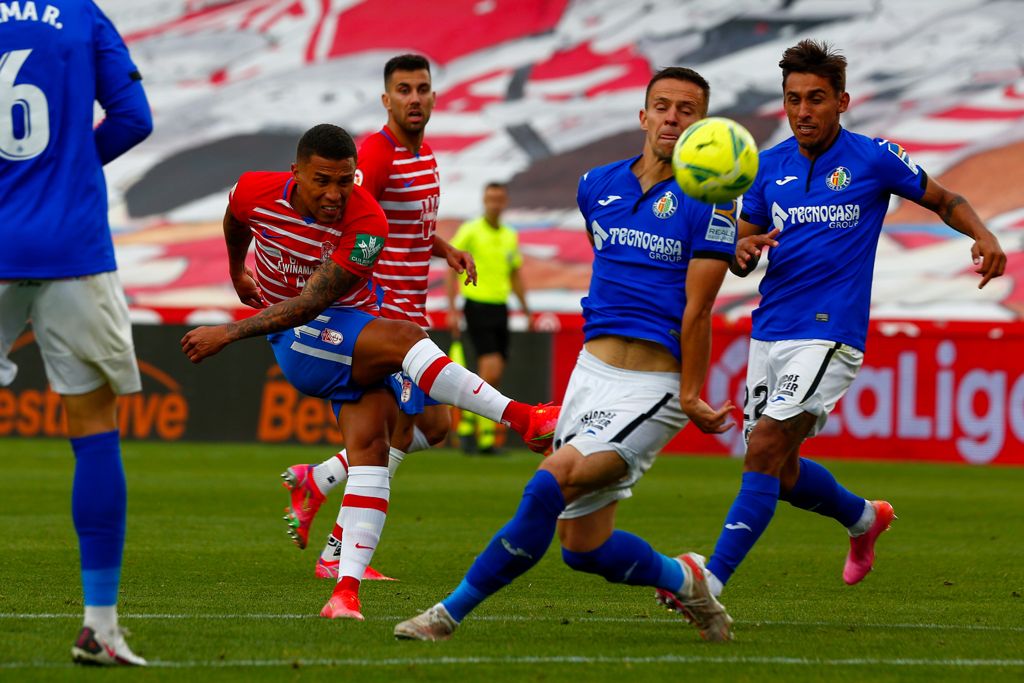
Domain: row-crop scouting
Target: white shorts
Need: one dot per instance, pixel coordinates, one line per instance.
(81, 326)
(786, 378)
(610, 409)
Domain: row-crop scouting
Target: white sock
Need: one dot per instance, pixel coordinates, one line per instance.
(395, 458)
(453, 384)
(363, 512)
(331, 472)
(332, 549)
(867, 518)
(419, 441)
(714, 585)
(103, 619)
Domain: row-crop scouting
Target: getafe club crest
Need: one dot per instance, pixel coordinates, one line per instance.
(839, 178)
(666, 205)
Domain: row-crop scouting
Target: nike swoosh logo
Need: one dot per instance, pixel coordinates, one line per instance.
(629, 571)
(364, 547)
(778, 398)
(608, 200)
(477, 390)
(269, 236)
(737, 526)
(409, 183)
(787, 179)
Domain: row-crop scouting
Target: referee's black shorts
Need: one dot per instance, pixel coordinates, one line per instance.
(487, 326)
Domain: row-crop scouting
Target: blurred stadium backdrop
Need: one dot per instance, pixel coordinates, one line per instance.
(535, 92)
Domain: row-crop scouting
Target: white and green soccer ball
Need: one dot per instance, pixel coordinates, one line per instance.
(715, 160)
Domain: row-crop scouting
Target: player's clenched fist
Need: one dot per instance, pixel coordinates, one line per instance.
(204, 342)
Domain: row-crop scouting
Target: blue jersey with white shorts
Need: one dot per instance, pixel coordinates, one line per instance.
(830, 210)
(643, 243)
(56, 59)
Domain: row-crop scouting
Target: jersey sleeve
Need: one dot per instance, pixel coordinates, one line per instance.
(361, 243)
(374, 166)
(240, 199)
(583, 198)
(897, 172)
(515, 256)
(753, 204)
(714, 231)
(127, 116)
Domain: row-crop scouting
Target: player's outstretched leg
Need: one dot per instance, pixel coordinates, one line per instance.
(818, 491)
(516, 548)
(98, 508)
(448, 382)
(629, 559)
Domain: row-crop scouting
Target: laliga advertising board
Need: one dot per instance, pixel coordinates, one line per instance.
(927, 391)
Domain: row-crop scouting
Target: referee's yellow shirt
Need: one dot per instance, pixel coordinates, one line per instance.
(496, 252)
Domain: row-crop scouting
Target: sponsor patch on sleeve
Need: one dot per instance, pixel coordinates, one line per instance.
(903, 156)
(367, 249)
(722, 227)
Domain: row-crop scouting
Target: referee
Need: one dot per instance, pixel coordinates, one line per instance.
(495, 248)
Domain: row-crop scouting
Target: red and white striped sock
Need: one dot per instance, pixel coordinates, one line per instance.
(331, 472)
(450, 383)
(332, 549)
(363, 512)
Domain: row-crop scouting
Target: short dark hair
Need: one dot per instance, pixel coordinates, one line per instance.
(818, 58)
(495, 185)
(406, 62)
(328, 141)
(680, 73)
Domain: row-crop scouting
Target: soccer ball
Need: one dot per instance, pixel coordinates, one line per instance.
(715, 160)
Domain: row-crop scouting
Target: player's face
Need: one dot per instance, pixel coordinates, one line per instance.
(671, 107)
(495, 201)
(409, 99)
(813, 107)
(322, 186)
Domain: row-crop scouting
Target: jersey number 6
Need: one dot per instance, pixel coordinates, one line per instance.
(24, 114)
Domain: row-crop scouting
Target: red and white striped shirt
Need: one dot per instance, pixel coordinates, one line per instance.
(408, 188)
(290, 247)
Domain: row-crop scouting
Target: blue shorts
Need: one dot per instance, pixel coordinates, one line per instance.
(316, 359)
(417, 399)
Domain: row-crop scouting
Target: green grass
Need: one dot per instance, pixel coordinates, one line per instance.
(206, 545)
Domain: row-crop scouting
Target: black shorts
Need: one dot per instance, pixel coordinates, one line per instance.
(487, 326)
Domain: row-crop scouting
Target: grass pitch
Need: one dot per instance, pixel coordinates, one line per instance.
(213, 590)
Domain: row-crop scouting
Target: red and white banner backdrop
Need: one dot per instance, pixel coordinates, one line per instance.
(949, 392)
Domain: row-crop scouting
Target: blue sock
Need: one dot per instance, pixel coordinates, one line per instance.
(747, 519)
(518, 546)
(98, 506)
(625, 558)
(818, 491)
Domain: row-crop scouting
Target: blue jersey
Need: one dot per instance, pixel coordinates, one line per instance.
(56, 59)
(830, 210)
(643, 243)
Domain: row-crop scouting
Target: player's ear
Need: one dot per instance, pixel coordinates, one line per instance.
(386, 101)
(295, 169)
(643, 119)
(844, 102)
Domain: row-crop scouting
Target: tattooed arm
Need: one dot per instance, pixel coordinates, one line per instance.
(322, 289)
(958, 214)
